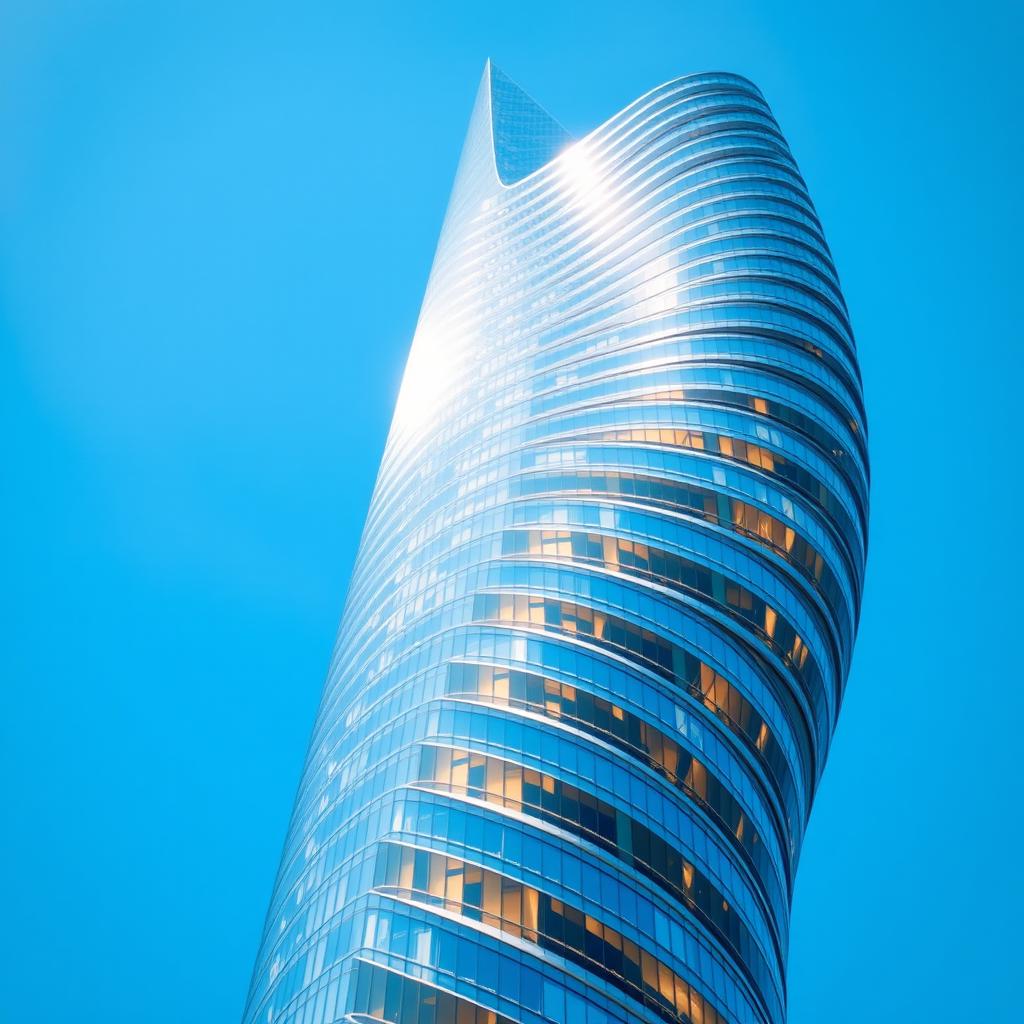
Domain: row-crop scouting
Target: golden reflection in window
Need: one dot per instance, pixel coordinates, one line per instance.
(537, 794)
(593, 714)
(527, 913)
(762, 736)
(697, 440)
(697, 779)
(671, 663)
(634, 558)
(799, 651)
(388, 996)
(570, 617)
(741, 516)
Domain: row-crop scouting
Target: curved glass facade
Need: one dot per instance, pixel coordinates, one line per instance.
(605, 602)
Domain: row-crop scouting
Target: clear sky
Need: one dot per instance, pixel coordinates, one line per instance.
(216, 223)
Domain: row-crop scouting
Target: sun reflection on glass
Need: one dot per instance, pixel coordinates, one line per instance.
(586, 181)
(429, 373)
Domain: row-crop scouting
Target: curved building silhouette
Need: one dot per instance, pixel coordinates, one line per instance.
(603, 611)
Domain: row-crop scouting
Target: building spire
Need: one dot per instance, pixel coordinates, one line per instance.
(524, 135)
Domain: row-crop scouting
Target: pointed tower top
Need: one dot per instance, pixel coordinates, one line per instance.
(525, 136)
(509, 137)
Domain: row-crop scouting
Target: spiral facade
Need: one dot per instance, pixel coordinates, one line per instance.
(604, 606)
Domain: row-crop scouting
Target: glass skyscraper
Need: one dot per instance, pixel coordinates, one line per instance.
(603, 611)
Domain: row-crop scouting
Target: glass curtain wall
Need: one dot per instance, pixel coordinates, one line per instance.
(603, 611)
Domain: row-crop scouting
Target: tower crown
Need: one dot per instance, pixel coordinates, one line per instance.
(524, 136)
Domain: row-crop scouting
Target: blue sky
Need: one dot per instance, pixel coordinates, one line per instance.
(216, 222)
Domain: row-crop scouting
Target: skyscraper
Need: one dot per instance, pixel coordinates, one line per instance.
(601, 619)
